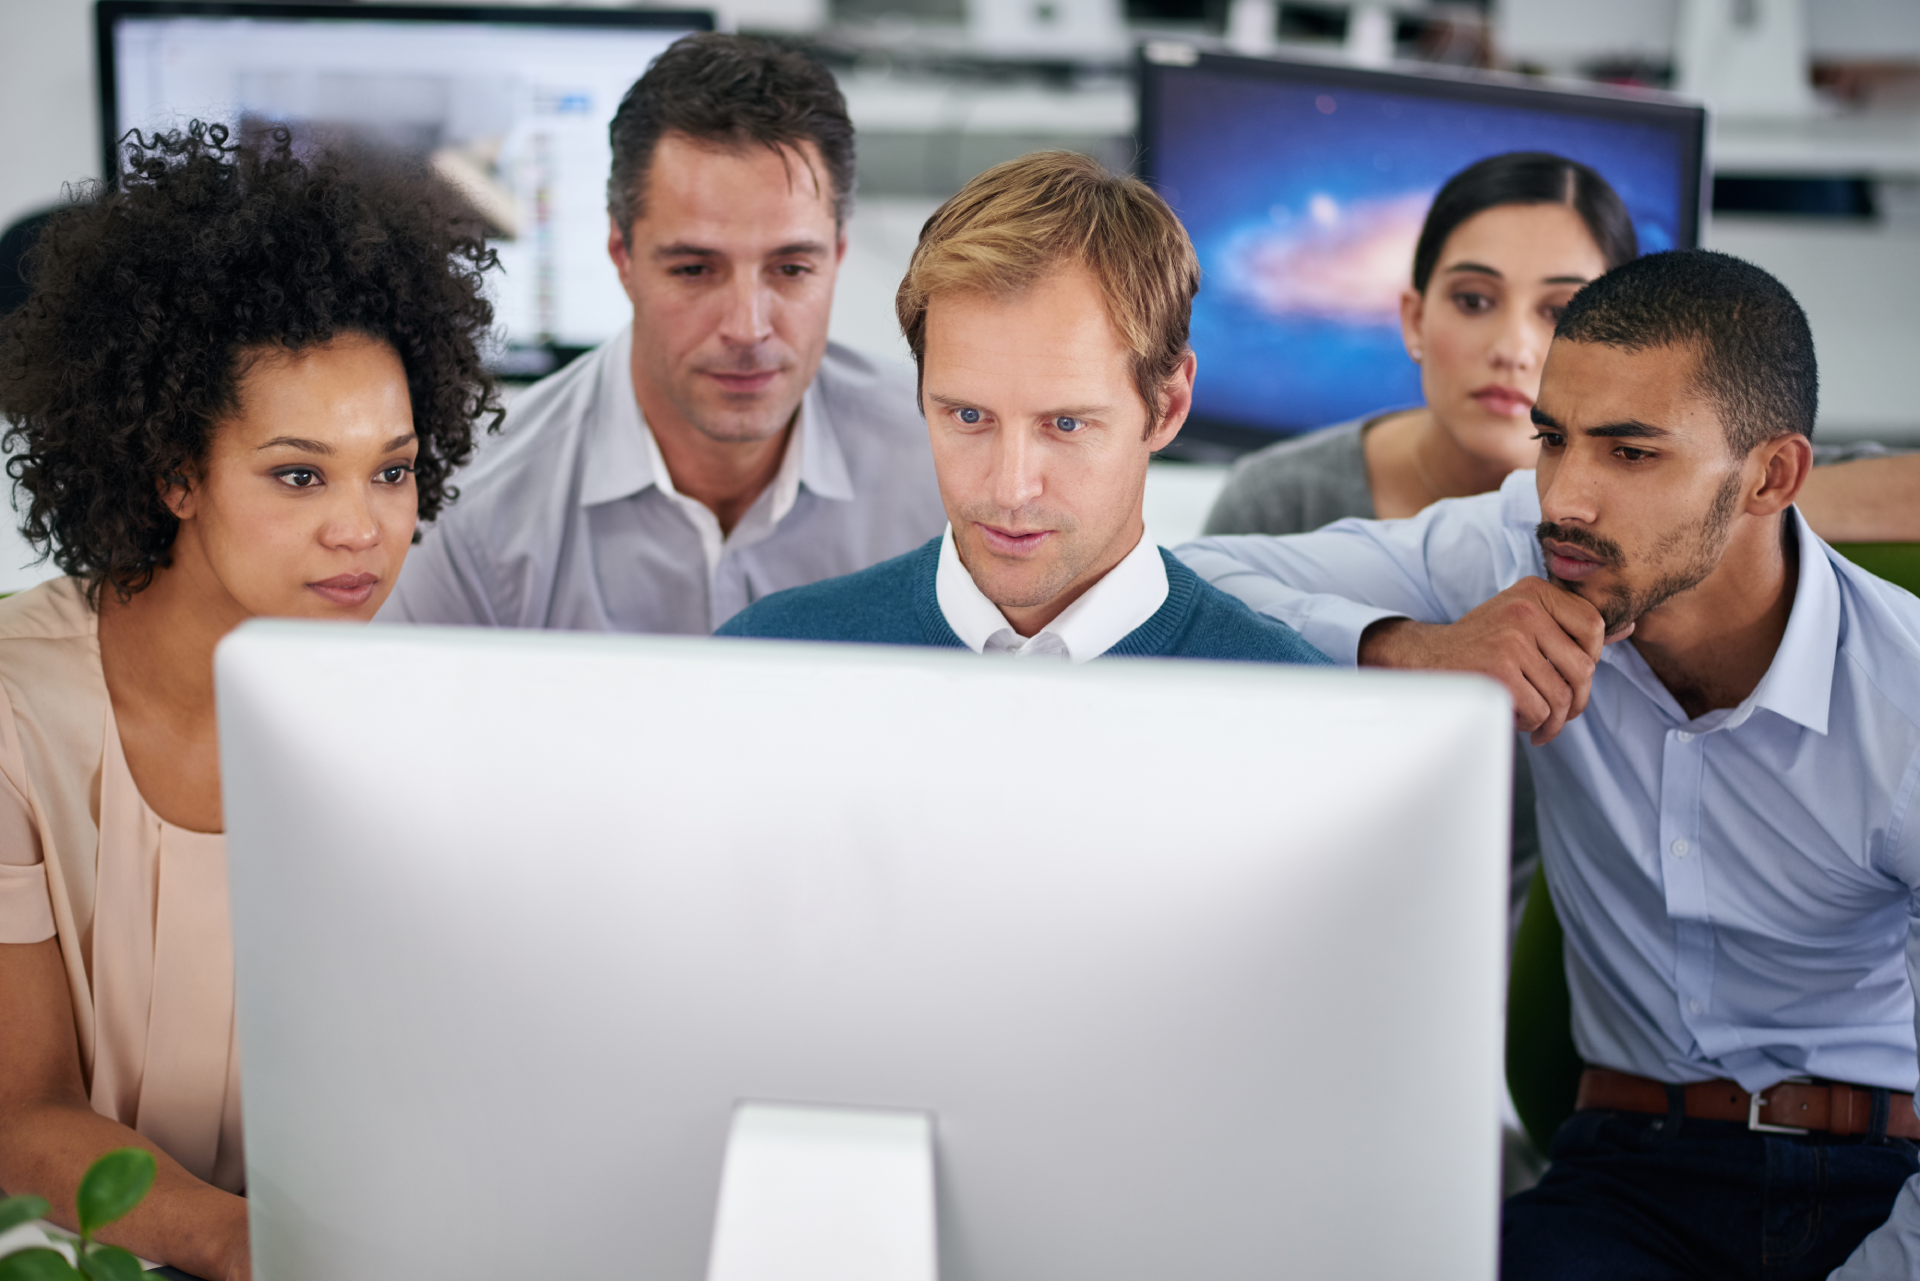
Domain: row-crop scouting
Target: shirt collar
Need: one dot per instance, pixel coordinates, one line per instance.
(622, 457)
(1121, 600)
(1798, 684)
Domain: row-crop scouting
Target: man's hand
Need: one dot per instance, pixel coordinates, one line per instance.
(1540, 642)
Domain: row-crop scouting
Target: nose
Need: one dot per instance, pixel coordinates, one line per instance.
(351, 524)
(1520, 345)
(1569, 487)
(749, 311)
(1017, 478)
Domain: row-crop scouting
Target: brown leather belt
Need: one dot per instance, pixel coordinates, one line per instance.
(1792, 1107)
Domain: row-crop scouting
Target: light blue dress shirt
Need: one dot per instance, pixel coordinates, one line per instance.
(1737, 889)
(571, 520)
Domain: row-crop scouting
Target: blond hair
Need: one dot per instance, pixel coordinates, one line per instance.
(1019, 220)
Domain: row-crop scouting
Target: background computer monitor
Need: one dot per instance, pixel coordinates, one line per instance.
(1196, 967)
(1304, 184)
(512, 104)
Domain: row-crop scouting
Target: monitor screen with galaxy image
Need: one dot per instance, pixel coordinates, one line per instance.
(1304, 184)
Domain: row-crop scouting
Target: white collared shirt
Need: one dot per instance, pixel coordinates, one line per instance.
(1123, 598)
(571, 520)
(758, 521)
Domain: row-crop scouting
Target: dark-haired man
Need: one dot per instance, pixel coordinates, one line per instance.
(721, 448)
(1724, 798)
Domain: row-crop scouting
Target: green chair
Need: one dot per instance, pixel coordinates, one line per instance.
(1543, 1069)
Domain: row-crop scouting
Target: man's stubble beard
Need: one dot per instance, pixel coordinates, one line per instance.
(736, 427)
(1063, 572)
(1704, 545)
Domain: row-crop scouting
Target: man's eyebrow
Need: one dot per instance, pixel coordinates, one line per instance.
(682, 249)
(1631, 429)
(1477, 268)
(1567, 280)
(1062, 411)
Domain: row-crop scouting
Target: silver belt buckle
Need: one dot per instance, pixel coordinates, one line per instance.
(1756, 1100)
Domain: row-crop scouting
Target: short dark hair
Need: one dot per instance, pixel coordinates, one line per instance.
(1525, 178)
(736, 91)
(146, 299)
(1751, 340)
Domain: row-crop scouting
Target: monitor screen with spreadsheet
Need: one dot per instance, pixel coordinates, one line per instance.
(509, 104)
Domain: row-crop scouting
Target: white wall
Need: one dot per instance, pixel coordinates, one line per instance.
(48, 102)
(1857, 281)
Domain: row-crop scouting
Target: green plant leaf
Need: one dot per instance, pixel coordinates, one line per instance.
(37, 1264)
(110, 1263)
(112, 1186)
(16, 1210)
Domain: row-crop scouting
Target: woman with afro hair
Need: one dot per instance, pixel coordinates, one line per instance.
(240, 379)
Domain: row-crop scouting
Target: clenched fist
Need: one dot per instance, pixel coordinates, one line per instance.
(1539, 641)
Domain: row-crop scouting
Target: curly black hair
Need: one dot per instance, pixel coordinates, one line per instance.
(149, 298)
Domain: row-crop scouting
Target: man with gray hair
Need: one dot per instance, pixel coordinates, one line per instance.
(721, 448)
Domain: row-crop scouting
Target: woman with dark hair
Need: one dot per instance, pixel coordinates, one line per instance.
(239, 381)
(1506, 244)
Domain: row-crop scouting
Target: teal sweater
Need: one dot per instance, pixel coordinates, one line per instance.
(894, 603)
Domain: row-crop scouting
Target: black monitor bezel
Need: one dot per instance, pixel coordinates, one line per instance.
(1216, 438)
(106, 13)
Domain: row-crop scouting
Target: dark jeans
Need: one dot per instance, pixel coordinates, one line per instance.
(1647, 1198)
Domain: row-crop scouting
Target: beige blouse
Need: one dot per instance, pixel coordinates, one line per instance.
(139, 906)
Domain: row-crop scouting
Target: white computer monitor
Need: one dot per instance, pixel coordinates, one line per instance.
(510, 103)
(1190, 969)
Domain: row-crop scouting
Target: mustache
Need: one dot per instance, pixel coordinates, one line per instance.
(1605, 548)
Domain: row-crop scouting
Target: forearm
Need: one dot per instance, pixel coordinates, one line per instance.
(1389, 642)
(47, 1145)
(1332, 623)
(1874, 500)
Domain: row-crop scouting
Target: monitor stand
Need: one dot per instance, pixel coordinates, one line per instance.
(825, 1194)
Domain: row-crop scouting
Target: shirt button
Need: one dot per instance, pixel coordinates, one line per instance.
(1685, 736)
(1693, 1007)
(1679, 848)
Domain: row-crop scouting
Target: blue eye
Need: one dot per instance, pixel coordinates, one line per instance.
(968, 416)
(1068, 424)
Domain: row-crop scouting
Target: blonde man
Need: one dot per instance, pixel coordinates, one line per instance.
(1046, 307)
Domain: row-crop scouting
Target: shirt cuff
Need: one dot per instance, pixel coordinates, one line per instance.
(26, 913)
(1334, 625)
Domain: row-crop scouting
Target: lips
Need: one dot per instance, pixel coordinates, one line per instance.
(1569, 563)
(1009, 542)
(348, 590)
(1509, 402)
(744, 384)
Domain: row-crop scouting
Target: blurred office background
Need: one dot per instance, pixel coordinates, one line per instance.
(1813, 152)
